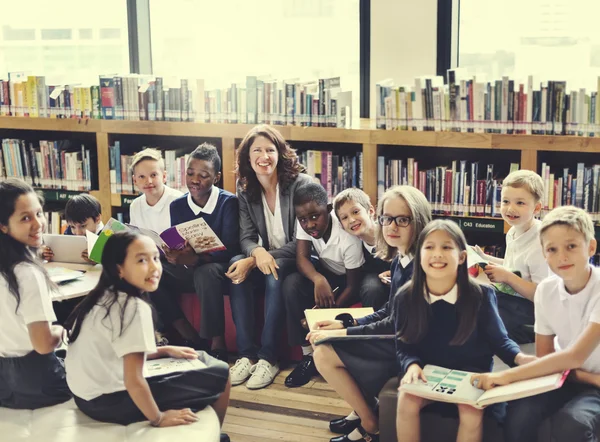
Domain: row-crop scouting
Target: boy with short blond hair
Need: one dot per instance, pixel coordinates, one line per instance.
(357, 215)
(151, 210)
(567, 311)
(522, 192)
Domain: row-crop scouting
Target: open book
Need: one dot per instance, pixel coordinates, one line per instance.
(476, 264)
(445, 385)
(321, 314)
(196, 232)
(156, 367)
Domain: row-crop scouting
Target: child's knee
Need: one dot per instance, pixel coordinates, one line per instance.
(323, 356)
(469, 415)
(409, 405)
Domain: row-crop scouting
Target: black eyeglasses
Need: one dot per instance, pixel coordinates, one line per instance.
(401, 221)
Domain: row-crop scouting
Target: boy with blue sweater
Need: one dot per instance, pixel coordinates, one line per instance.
(205, 273)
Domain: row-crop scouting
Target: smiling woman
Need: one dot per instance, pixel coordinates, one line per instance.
(268, 175)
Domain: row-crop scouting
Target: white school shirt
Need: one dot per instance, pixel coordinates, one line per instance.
(35, 306)
(524, 254)
(156, 217)
(94, 362)
(274, 223)
(566, 316)
(342, 251)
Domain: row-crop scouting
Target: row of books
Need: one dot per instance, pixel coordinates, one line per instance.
(142, 97)
(462, 189)
(581, 189)
(502, 106)
(334, 172)
(57, 164)
(121, 175)
(56, 222)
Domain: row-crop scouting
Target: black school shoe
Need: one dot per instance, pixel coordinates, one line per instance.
(303, 372)
(366, 437)
(343, 425)
(224, 438)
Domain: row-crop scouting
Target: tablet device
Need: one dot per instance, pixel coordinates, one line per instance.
(67, 248)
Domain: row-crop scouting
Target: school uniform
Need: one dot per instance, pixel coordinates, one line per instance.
(95, 371)
(207, 279)
(276, 232)
(373, 363)
(342, 251)
(372, 291)
(489, 338)
(28, 380)
(575, 408)
(523, 253)
(157, 217)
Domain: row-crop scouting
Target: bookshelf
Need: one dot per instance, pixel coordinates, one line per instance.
(371, 141)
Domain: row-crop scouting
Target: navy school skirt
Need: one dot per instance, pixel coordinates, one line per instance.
(195, 389)
(32, 381)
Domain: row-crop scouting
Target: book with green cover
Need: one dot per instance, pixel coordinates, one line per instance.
(96, 243)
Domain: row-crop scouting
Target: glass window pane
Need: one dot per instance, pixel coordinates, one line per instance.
(550, 39)
(222, 42)
(66, 40)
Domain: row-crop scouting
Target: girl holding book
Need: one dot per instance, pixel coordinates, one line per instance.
(111, 335)
(268, 175)
(31, 376)
(358, 370)
(443, 317)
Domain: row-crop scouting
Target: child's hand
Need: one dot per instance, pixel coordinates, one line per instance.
(329, 324)
(86, 257)
(177, 352)
(385, 277)
(522, 358)
(478, 250)
(239, 270)
(265, 262)
(47, 253)
(323, 294)
(172, 418)
(497, 273)
(186, 256)
(413, 374)
(486, 381)
(317, 335)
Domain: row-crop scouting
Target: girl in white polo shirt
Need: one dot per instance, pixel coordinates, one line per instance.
(31, 376)
(111, 334)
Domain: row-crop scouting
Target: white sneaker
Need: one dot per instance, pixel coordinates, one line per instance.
(240, 371)
(263, 374)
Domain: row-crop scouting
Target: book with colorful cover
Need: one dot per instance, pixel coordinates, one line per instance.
(96, 243)
(476, 264)
(446, 385)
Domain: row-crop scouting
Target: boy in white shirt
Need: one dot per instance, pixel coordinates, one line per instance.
(567, 308)
(331, 281)
(522, 193)
(151, 209)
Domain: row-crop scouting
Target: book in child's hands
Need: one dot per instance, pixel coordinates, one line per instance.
(476, 264)
(322, 314)
(196, 232)
(445, 385)
(156, 367)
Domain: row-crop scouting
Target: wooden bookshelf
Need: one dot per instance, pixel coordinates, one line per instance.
(365, 136)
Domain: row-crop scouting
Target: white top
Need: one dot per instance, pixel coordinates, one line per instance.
(210, 205)
(156, 217)
(566, 316)
(451, 297)
(94, 361)
(342, 251)
(274, 222)
(524, 254)
(35, 306)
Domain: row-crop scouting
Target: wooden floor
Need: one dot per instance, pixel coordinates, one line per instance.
(278, 413)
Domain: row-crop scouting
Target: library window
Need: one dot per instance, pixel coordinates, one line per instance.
(223, 42)
(549, 39)
(63, 41)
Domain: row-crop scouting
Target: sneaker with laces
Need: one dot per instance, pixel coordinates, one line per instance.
(240, 371)
(263, 374)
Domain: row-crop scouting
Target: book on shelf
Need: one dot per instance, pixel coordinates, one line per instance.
(459, 189)
(48, 164)
(501, 106)
(334, 172)
(136, 97)
(57, 224)
(454, 386)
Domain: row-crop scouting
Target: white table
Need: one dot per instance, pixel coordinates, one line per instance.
(80, 286)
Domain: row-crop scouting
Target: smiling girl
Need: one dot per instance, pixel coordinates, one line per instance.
(31, 376)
